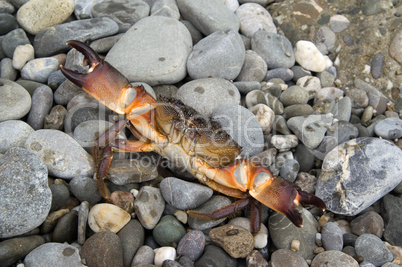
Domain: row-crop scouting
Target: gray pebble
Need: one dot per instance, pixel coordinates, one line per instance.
(145, 255)
(13, 39)
(334, 258)
(359, 97)
(13, 133)
(280, 125)
(284, 142)
(297, 110)
(328, 94)
(339, 23)
(83, 212)
(326, 37)
(192, 245)
(60, 196)
(305, 158)
(7, 70)
(15, 101)
(289, 170)
(55, 119)
(343, 109)
(376, 65)
(368, 223)
(167, 8)
(349, 239)
(184, 195)
(65, 92)
(379, 103)
(8, 23)
(348, 40)
(287, 257)
(132, 238)
(284, 74)
(103, 45)
(372, 249)
(327, 79)
(332, 237)
(55, 79)
(168, 231)
(85, 189)
(294, 95)
(393, 218)
(196, 35)
(14, 249)
(254, 67)
(246, 87)
(328, 143)
(219, 55)
(370, 7)
(390, 128)
(215, 256)
(66, 229)
(42, 102)
(39, 69)
(298, 72)
(343, 131)
(149, 212)
(274, 104)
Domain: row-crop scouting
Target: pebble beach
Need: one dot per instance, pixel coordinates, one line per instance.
(310, 89)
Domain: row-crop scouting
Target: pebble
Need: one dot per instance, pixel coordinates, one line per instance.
(253, 69)
(52, 40)
(265, 116)
(294, 95)
(39, 69)
(310, 84)
(376, 65)
(149, 212)
(184, 195)
(284, 74)
(309, 57)
(15, 101)
(25, 197)
(83, 212)
(6, 70)
(34, 15)
(379, 103)
(283, 231)
(253, 17)
(370, 7)
(42, 102)
(11, 250)
(328, 94)
(368, 223)
(375, 184)
(85, 189)
(260, 238)
(297, 110)
(107, 217)
(123, 12)
(55, 119)
(327, 79)
(205, 95)
(102, 249)
(299, 72)
(125, 171)
(63, 156)
(392, 219)
(65, 92)
(22, 54)
(168, 231)
(343, 131)
(13, 133)
(334, 258)
(145, 255)
(154, 51)
(289, 169)
(164, 254)
(332, 237)
(339, 23)
(285, 257)
(255, 259)
(8, 23)
(66, 229)
(209, 16)
(284, 142)
(390, 128)
(246, 87)
(325, 37)
(305, 157)
(372, 249)
(12, 40)
(395, 50)
(344, 109)
(214, 203)
(215, 256)
(54, 254)
(60, 196)
(7, 7)
(167, 8)
(132, 238)
(359, 98)
(275, 49)
(219, 55)
(192, 245)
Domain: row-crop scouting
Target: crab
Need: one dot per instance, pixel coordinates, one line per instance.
(178, 133)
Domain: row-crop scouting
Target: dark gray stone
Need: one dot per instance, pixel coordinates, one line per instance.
(8, 23)
(13, 39)
(284, 74)
(192, 245)
(393, 219)
(376, 65)
(54, 254)
(60, 196)
(215, 256)
(14, 249)
(372, 249)
(132, 238)
(332, 237)
(67, 228)
(42, 102)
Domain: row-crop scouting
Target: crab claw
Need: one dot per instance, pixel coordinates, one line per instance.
(282, 196)
(107, 85)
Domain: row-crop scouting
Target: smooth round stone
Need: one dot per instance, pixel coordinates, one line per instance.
(6, 69)
(184, 195)
(309, 57)
(305, 158)
(11, 250)
(39, 69)
(310, 129)
(265, 116)
(275, 49)
(208, 16)
(145, 255)
(219, 55)
(326, 37)
(54, 254)
(254, 17)
(168, 231)
(215, 256)
(326, 78)
(335, 259)
(85, 189)
(132, 238)
(34, 15)
(8, 23)
(149, 212)
(332, 237)
(365, 181)
(60, 196)
(286, 257)
(55, 79)
(214, 203)
(283, 231)
(66, 229)
(196, 35)
(25, 197)
(344, 109)
(395, 49)
(192, 245)
(205, 95)
(52, 40)
(392, 217)
(103, 45)
(125, 13)
(372, 249)
(376, 65)
(165, 8)
(284, 74)
(241, 124)
(294, 95)
(254, 67)
(103, 249)
(368, 223)
(289, 169)
(343, 131)
(327, 144)
(22, 54)
(15, 101)
(390, 128)
(13, 133)
(260, 239)
(42, 102)
(339, 23)
(164, 254)
(107, 217)
(55, 119)
(328, 94)
(379, 103)
(370, 7)
(13, 39)
(297, 110)
(359, 97)
(63, 156)
(154, 51)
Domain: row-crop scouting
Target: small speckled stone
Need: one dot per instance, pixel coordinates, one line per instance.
(372, 249)
(235, 240)
(39, 69)
(149, 205)
(145, 255)
(13, 133)
(332, 237)
(22, 54)
(390, 128)
(192, 245)
(334, 259)
(265, 116)
(107, 217)
(15, 101)
(285, 257)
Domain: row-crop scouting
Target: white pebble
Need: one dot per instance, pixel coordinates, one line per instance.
(107, 217)
(255, 97)
(164, 253)
(265, 116)
(309, 57)
(181, 216)
(311, 84)
(231, 4)
(253, 17)
(295, 245)
(22, 54)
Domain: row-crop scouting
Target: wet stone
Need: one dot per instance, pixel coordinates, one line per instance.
(13, 133)
(168, 231)
(372, 249)
(42, 101)
(334, 258)
(25, 197)
(184, 195)
(192, 245)
(364, 184)
(149, 205)
(286, 257)
(15, 101)
(67, 228)
(215, 256)
(132, 238)
(368, 223)
(54, 254)
(332, 237)
(11, 250)
(390, 128)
